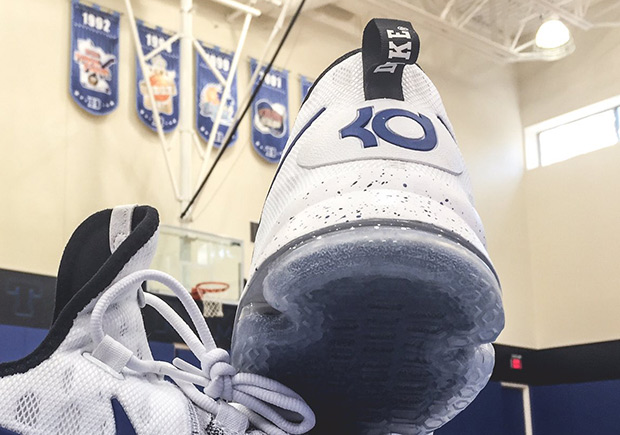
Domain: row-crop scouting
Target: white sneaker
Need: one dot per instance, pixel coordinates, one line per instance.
(372, 294)
(94, 373)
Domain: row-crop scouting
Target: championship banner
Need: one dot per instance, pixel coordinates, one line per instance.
(306, 84)
(209, 94)
(94, 58)
(163, 72)
(270, 114)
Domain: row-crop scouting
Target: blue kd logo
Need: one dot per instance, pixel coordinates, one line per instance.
(380, 128)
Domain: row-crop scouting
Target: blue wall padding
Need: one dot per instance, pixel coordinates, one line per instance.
(188, 356)
(496, 411)
(18, 341)
(577, 409)
(162, 351)
(512, 405)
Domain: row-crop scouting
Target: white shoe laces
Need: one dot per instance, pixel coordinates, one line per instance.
(257, 397)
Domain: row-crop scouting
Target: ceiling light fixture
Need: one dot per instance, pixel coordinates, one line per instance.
(552, 33)
(554, 39)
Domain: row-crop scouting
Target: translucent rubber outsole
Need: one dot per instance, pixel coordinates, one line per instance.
(381, 329)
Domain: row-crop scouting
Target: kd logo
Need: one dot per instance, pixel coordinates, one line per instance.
(380, 128)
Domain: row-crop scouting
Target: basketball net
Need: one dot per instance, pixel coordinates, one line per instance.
(204, 291)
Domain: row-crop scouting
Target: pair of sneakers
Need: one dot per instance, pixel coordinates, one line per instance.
(371, 295)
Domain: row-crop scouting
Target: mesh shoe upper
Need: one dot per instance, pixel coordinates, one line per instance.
(79, 381)
(56, 389)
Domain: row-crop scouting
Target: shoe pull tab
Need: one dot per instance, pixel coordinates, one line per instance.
(387, 46)
(120, 225)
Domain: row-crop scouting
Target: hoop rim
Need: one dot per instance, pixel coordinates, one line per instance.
(199, 289)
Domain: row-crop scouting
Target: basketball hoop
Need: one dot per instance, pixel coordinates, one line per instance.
(203, 291)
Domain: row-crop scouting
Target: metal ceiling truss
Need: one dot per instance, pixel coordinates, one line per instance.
(503, 30)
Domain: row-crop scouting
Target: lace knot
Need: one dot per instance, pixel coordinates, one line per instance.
(267, 404)
(218, 370)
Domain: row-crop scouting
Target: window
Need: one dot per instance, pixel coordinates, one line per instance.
(573, 134)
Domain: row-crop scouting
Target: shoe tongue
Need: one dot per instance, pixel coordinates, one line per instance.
(106, 246)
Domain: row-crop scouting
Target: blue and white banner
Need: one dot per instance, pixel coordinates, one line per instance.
(163, 72)
(209, 95)
(270, 114)
(306, 84)
(94, 58)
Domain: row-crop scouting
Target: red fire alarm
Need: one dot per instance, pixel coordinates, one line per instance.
(515, 362)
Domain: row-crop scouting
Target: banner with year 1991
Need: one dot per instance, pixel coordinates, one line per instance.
(163, 71)
(209, 94)
(270, 114)
(94, 58)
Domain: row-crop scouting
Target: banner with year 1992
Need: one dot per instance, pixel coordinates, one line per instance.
(209, 94)
(163, 71)
(94, 58)
(270, 114)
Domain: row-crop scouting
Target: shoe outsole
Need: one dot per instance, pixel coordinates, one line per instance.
(381, 328)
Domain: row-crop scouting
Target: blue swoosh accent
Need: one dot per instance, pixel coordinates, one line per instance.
(121, 420)
(299, 135)
(4, 431)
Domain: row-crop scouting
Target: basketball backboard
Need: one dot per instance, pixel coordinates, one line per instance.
(195, 257)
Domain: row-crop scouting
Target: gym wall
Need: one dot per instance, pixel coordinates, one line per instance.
(572, 207)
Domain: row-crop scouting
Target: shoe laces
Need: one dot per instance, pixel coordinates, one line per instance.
(233, 398)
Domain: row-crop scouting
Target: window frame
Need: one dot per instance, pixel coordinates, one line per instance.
(532, 149)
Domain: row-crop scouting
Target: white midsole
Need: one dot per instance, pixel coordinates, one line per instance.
(380, 204)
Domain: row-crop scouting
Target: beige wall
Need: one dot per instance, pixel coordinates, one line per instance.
(60, 164)
(572, 206)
